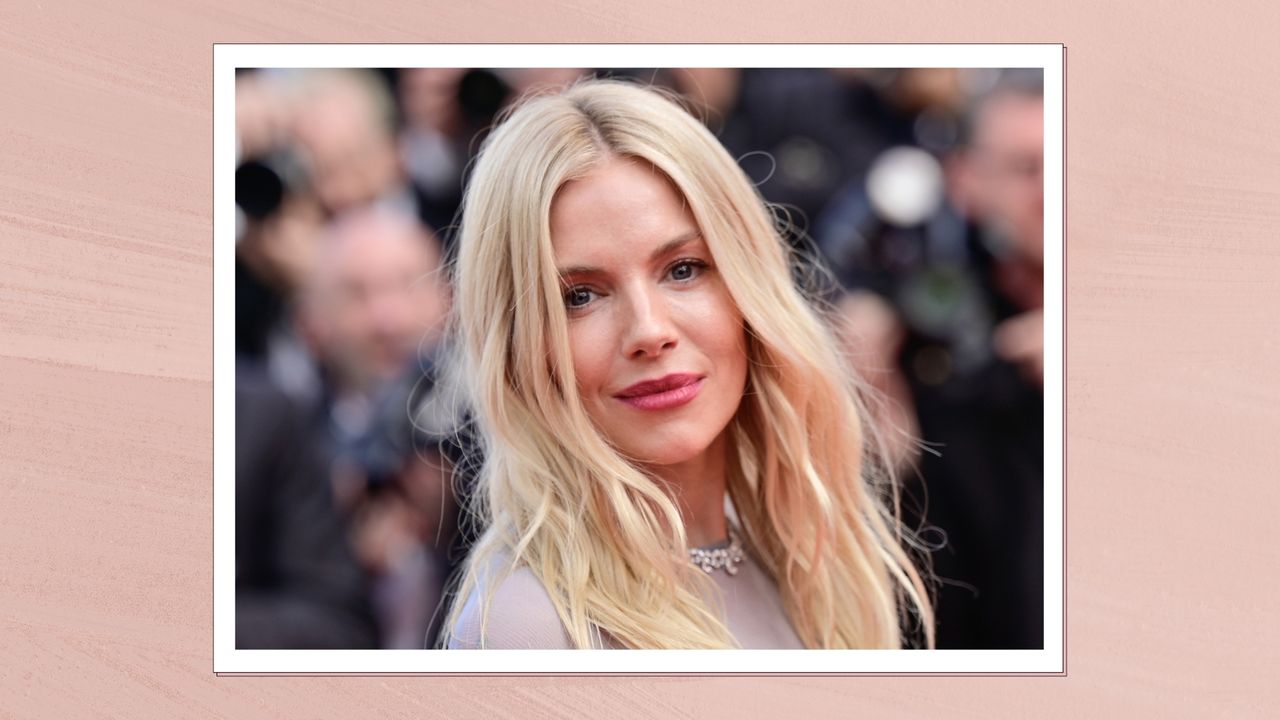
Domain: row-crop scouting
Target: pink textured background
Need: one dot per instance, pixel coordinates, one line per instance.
(1173, 377)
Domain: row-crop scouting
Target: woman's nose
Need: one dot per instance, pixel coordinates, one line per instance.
(650, 329)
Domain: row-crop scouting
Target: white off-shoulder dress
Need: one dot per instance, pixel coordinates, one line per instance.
(522, 617)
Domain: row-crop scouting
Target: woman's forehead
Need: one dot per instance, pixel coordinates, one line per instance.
(621, 205)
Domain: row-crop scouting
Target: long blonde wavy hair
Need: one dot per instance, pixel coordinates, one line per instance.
(602, 536)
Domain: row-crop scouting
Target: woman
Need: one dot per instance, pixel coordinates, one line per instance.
(637, 352)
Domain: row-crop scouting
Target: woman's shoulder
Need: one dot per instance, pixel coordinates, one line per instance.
(521, 615)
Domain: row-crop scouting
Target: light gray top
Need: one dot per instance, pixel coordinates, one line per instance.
(522, 617)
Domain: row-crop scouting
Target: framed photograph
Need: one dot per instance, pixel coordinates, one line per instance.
(818, 286)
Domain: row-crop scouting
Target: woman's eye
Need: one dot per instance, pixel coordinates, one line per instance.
(577, 297)
(686, 270)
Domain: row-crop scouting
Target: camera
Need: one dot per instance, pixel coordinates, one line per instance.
(264, 182)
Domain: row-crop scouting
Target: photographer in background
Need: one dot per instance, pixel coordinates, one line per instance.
(338, 304)
(372, 313)
(277, 216)
(999, 185)
(943, 252)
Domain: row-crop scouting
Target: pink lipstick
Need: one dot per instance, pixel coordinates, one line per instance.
(662, 394)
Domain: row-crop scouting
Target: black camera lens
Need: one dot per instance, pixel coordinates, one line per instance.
(259, 190)
(264, 182)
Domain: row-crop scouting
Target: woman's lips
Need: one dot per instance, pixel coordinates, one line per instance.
(666, 399)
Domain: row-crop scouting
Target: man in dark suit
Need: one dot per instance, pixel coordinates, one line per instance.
(297, 584)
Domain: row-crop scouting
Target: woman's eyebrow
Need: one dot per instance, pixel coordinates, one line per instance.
(675, 244)
(667, 248)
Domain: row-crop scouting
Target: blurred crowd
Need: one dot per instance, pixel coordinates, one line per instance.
(920, 189)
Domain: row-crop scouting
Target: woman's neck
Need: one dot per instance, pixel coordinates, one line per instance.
(698, 488)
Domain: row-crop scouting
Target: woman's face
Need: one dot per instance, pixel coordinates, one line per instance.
(659, 348)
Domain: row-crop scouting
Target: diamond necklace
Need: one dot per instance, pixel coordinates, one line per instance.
(719, 557)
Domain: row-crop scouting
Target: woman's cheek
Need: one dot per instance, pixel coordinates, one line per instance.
(715, 319)
(590, 348)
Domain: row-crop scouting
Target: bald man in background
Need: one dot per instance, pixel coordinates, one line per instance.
(376, 294)
(373, 308)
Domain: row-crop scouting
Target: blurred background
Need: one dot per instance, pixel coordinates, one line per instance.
(921, 189)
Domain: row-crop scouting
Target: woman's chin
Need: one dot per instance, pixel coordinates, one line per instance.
(663, 454)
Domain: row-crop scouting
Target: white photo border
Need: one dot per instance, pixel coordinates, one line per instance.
(227, 659)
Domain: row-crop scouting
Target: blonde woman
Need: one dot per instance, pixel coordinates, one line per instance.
(674, 452)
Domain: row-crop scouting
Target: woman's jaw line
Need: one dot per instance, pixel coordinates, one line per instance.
(698, 486)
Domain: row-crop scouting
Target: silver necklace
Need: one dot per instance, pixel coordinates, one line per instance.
(726, 556)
